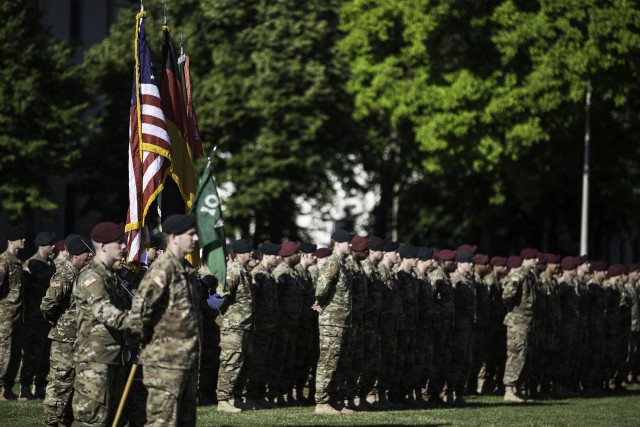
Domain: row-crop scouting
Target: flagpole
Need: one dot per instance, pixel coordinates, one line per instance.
(584, 223)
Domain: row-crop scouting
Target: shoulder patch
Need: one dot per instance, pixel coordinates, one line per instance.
(158, 281)
(56, 283)
(90, 281)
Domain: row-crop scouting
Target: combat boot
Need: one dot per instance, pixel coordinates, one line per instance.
(226, 406)
(25, 393)
(382, 401)
(326, 409)
(7, 394)
(510, 395)
(40, 392)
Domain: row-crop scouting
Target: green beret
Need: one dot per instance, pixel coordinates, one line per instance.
(308, 248)
(15, 233)
(408, 251)
(341, 236)
(45, 238)
(242, 246)
(268, 248)
(178, 223)
(77, 245)
(462, 256)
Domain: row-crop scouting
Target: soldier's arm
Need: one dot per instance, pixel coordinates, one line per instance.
(510, 291)
(145, 302)
(54, 296)
(103, 310)
(326, 281)
(3, 272)
(229, 291)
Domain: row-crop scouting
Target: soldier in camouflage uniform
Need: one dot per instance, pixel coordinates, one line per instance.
(236, 327)
(423, 367)
(634, 335)
(626, 303)
(306, 358)
(266, 327)
(612, 326)
(582, 339)
(103, 324)
(597, 315)
(389, 318)
(59, 308)
(359, 251)
(289, 306)
(570, 315)
(551, 323)
(11, 319)
(519, 298)
(333, 302)
(406, 330)
(35, 354)
(464, 291)
(442, 322)
(481, 322)
(166, 316)
(371, 327)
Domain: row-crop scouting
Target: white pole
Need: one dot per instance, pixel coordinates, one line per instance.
(584, 224)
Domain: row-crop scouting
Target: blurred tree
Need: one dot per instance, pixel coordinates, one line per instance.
(41, 103)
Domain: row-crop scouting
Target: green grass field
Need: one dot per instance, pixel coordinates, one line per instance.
(615, 411)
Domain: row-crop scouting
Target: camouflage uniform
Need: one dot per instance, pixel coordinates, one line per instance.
(266, 329)
(210, 353)
(35, 353)
(101, 345)
(371, 329)
(333, 294)
(290, 306)
(442, 328)
(306, 359)
(597, 315)
(551, 330)
(582, 339)
(635, 329)
(624, 332)
(492, 373)
(354, 358)
(389, 319)
(59, 307)
(424, 334)
(537, 336)
(519, 298)
(11, 319)
(570, 315)
(464, 291)
(406, 330)
(236, 331)
(481, 324)
(612, 331)
(166, 316)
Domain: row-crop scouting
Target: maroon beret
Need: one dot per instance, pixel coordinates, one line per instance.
(498, 261)
(582, 259)
(514, 261)
(444, 255)
(480, 259)
(468, 248)
(569, 263)
(59, 245)
(615, 270)
(633, 267)
(359, 243)
(323, 252)
(598, 266)
(289, 248)
(107, 232)
(552, 258)
(528, 253)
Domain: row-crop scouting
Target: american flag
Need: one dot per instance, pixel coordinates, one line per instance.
(149, 146)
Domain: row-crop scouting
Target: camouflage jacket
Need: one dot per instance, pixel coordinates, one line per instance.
(266, 298)
(391, 314)
(443, 298)
(308, 316)
(625, 308)
(498, 310)
(314, 273)
(612, 311)
(519, 297)
(333, 293)
(551, 302)
(59, 306)
(569, 303)
(38, 273)
(166, 314)
(597, 307)
(11, 287)
(583, 301)
(289, 295)
(464, 294)
(425, 302)
(408, 289)
(373, 304)
(358, 291)
(635, 306)
(483, 304)
(102, 321)
(237, 310)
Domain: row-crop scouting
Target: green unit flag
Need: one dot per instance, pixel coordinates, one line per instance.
(209, 225)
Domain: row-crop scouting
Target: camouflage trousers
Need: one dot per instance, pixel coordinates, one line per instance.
(623, 354)
(259, 378)
(460, 357)
(595, 353)
(282, 367)
(305, 359)
(566, 352)
(610, 361)
(492, 373)
(236, 347)
(330, 373)
(634, 354)
(11, 339)
(388, 350)
(479, 355)
(423, 358)
(35, 354)
(371, 362)
(401, 384)
(515, 370)
(97, 388)
(209, 361)
(173, 396)
(355, 356)
(441, 357)
(57, 403)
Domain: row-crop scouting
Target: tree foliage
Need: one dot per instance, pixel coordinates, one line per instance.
(41, 103)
